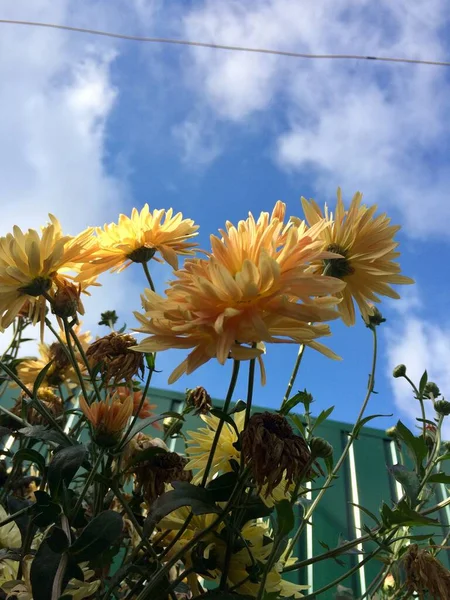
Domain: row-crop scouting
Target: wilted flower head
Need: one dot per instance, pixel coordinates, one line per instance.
(108, 418)
(137, 239)
(117, 361)
(273, 452)
(424, 573)
(199, 400)
(33, 266)
(367, 252)
(254, 288)
(67, 299)
(154, 473)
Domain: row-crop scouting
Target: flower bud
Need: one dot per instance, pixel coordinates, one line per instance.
(442, 407)
(431, 390)
(173, 425)
(392, 432)
(375, 319)
(66, 301)
(399, 371)
(320, 448)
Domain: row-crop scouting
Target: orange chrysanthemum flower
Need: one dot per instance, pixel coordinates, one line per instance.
(146, 409)
(366, 247)
(138, 238)
(255, 287)
(33, 265)
(108, 418)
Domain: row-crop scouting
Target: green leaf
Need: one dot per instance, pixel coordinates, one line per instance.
(43, 571)
(408, 479)
(423, 383)
(224, 417)
(97, 536)
(57, 540)
(403, 514)
(64, 467)
(30, 455)
(255, 509)
(285, 517)
(416, 445)
(364, 421)
(40, 378)
(366, 511)
(323, 416)
(443, 457)
(199, 499)
(300, 397)
(439, 478)
(45, 511)
(44, 434)
(238, 407)
(222, 487)
(298, 423)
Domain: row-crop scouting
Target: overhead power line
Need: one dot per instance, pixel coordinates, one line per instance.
(157, 40)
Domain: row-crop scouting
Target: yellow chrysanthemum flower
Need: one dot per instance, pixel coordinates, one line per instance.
(198, 448)
(367, 249)
(138, 238)
(33, 265)
(255, 287)
(257, 551)
(61, 372)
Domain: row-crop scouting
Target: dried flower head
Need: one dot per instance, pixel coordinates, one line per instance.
(424, 573)
(274, 452)
(108, 418)
(199, 400)
(152, 475)
(48, 398)
(67, 299)
(117, 361)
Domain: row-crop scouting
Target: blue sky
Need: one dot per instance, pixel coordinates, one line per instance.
(94, 127)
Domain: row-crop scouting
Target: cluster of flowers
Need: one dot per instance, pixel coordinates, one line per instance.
(267, 281)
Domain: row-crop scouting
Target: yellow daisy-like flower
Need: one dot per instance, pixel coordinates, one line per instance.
(255, 287)
(138, 238)
(198, 447)
(242, 562)
(367, 250)
(33, 265)
(61, 372)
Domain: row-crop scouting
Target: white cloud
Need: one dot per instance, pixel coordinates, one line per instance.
(378, 127)
(197, 142)
(420, 344)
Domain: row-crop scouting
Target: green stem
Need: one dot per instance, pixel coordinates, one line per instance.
(251, 382)
(346, 450)
(88, 482)
(14, 377)
(422, 405)
(76, 366)
(149, 277)
(141, 404)
(86, 363)
(298, 361)
(268, 567)
(234, 377)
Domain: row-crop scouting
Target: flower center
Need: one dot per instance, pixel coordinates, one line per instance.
(141, 255)
(38, 286)
(338, 267)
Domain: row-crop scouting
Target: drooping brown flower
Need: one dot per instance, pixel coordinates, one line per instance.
(199, 400)
(118, 362)
(49, 399)
(152, 475)
(108, 418)
(273, 452)
(424, 573)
